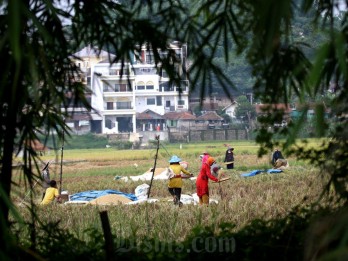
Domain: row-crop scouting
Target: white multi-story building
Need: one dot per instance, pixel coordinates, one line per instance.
(119, 93)
(81, 120)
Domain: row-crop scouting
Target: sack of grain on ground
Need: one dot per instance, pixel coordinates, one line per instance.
(111, 199)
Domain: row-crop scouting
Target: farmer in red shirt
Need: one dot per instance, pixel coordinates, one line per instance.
(202, 181)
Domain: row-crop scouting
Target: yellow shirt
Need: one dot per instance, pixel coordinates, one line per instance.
(177, 182)
(50, 195)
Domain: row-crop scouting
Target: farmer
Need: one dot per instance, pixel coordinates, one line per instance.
(51, 194)
(202, 181)
(45, 175)
(229, 158)
(175, 178)
(215, 170)
(204, 157)
(281, 164)
(275, 156)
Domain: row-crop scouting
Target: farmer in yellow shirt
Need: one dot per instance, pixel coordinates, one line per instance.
(51, 194)
(175, 180)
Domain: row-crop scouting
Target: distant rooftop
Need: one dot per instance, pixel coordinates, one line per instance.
(210, 116)
(179, 116)
(89, 51)
(149, 115)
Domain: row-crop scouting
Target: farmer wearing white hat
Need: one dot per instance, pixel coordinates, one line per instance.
(175, 180)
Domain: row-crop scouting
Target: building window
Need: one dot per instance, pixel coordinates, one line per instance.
(149, 86)
(123, 105)
(172, 123)
(149, 57)
(109, 105)
(140, 86)
(165, 87)
(123, 87)
(181, 102)
(151, 101)
(167, 104)
(159, 100)
(107, 87)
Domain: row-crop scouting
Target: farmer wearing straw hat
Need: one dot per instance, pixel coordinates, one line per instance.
(175, 178)
(202, 181)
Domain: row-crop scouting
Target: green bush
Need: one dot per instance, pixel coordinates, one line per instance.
(87, 141)
(121, 145)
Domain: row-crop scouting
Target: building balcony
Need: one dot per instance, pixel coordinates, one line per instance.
(117, 94)
(116, 91)
(165, 87)
(119, 108)
(112, 75)
(145, 71)
(174, 89)
(108, 112)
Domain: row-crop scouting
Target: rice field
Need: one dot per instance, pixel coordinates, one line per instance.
(240, 200)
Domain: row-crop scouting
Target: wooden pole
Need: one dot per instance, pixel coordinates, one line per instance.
(220, 189)
(154, 167)
(109, 249)
(61, 167)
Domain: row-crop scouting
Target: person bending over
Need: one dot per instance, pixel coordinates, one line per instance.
(52, 194)
(175, 178)
(202, 181)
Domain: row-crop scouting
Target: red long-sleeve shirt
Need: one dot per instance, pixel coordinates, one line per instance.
(202, 180)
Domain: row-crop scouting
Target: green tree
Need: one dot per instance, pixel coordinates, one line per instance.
(245, 110)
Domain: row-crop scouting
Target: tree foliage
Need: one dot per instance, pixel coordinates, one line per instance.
(245, 110)
(37, 71)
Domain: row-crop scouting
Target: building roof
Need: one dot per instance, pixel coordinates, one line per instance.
(233, 104)
(210, 116)
(149, 115)
(264, 108)
(176, 115)
(79, 117)
(88, 51)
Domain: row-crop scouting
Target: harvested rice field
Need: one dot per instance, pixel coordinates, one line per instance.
(237, 200)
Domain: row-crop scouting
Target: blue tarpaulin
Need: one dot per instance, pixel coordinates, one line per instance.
(251, 173)
(255, 172)
(93, 194)
(271, 171)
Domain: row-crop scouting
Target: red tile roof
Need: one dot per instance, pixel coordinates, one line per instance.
(263, 108)
(79, 117)
(149, 115)
(184, 115)
(210, 116)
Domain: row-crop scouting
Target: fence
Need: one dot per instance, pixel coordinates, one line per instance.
(207, 135)
(179, 135)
